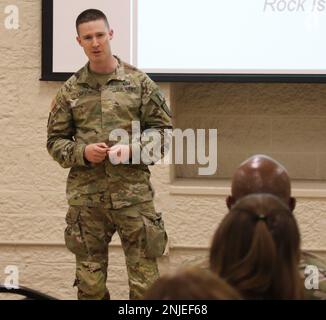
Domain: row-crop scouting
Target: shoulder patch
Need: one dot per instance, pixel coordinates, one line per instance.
(159, 100)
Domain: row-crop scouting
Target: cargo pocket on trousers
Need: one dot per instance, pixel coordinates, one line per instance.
(155, 235)
(73, 233)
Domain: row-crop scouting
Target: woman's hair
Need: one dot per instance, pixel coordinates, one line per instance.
(191, 284)
(256, 249)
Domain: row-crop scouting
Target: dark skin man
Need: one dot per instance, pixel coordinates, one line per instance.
(263, 174)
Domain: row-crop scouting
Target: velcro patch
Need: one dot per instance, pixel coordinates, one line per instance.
(158, 98)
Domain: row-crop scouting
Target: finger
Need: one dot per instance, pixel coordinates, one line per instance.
(99, 156)
(102, 145)
(100, 150)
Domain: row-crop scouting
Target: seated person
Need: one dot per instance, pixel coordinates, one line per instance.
(263, 174)
(191, 284)
(256, 249)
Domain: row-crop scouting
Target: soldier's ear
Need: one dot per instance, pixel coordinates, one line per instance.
(111, 32)
(78, 40)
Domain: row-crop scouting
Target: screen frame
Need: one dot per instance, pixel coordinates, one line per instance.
(47, 73)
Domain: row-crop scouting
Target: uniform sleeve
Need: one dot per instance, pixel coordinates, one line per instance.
(60, 135)
(155, 121)
(318, 264)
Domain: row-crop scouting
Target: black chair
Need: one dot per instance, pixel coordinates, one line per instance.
(28, 293)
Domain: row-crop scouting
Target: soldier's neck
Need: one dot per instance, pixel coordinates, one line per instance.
(104, 67)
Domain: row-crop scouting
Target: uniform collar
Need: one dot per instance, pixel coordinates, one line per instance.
(85, 77)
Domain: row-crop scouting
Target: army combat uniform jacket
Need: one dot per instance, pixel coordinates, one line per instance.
(84, 112)
(317, 262)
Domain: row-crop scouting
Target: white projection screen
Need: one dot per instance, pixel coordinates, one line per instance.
(181, 40)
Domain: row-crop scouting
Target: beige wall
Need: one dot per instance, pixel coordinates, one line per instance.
(286, 121)
(32, 188)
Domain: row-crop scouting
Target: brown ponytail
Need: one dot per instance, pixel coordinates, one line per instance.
(256, 249)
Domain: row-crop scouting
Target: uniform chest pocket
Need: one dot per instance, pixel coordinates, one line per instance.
(79, 112)
(119, 105)
(87, 111)
(128, 100)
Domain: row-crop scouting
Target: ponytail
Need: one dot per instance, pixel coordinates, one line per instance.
(253, 274)
(258, 253)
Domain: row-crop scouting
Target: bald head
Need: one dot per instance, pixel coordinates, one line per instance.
(261, 174)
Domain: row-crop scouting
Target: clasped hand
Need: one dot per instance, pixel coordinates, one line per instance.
(97, 152)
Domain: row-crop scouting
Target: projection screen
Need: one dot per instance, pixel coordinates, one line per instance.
(180, 40)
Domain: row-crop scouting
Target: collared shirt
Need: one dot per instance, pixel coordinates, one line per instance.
(86, 112)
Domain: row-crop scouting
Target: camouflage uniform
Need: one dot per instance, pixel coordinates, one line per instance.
(105, 198)
(309, 259)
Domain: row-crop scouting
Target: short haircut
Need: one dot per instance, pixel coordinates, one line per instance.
(91, 15)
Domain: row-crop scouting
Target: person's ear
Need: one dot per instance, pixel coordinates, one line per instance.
(292, 203)
(230, 201)
(111, 32)
(78, 40)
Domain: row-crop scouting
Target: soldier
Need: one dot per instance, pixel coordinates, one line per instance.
(262, 174)
(256, 248)
(106, 196)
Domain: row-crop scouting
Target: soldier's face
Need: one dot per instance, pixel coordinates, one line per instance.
(94, 37)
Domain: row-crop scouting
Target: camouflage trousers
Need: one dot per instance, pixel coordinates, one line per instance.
(88, 233)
